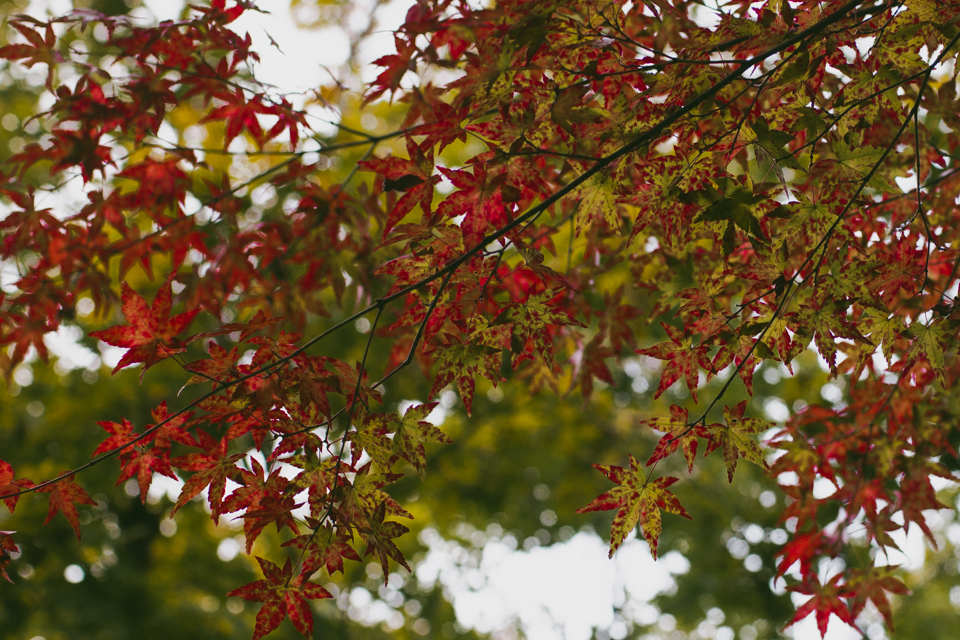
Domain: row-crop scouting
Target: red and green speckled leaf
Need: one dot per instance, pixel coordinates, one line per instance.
(462, 359)
(637, 501)
(211, 469)
(597, 201)
(379, 536)
(283, 595)
(872, 585)
(735, 438)
(678, 433)
(413, 431)
(535, 320)
(683, 360)
(324, 548)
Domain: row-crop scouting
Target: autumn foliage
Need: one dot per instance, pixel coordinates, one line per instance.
(776, 179)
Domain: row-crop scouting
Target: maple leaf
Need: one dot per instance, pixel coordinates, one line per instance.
(413, 431)
(121, 434)
(373, 439)
(144, 464)
(40, 50)
(478, 198)
(682, 360)
(217, 369)
(9, 488)
(597, 201)
(826, 601)
(241, 113)
(151, 333)
(254, 486)
(638, 501)
(361, 498)
(169, 429)
(928, 343)
(379, 536)
(324, 548)
(871, 585)
(284, 595)
(317, 476)
(63, 494)
(275, 509)
(460, 361)
(734, 438)
(8, 549)
(534, 320)
(678, 434)
(802, 548)
(212, 468)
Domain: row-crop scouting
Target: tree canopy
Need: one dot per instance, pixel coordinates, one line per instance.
(598, 232)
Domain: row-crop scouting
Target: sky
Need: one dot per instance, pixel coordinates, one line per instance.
(495, 582)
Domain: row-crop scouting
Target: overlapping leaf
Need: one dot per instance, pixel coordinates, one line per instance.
(637, 501)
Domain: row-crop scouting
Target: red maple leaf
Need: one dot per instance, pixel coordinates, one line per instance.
(63, 494)
(120, 435)
(803, 548)
(170, 428)
(9, 488)
(143, 464)
(283, 595)
(826, 600)
(276, 509)
(478, 198)
(7, 549)
(150, 333)
(212, 468)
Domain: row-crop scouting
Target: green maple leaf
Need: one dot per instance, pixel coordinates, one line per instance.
(373, 439)
(883, 330)
(379, 536)
(413, 432)
(597, 201)
(637, 501)
(929, 341)
(735, 438)
(856, 161)
(736, 206)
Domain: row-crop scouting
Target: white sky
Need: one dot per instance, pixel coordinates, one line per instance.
(563, 591)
